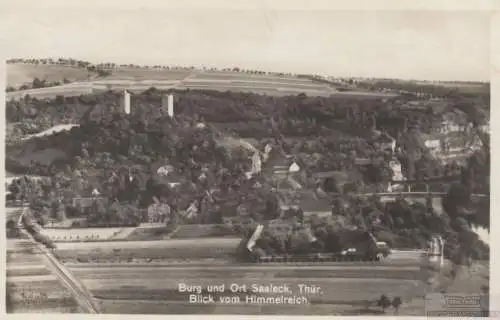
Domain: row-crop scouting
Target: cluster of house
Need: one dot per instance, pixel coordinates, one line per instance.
(452, 139)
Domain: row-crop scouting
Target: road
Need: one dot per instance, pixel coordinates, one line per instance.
(82, 296)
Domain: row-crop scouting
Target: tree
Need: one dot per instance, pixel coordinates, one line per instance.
(384, 302)
(272, 208)
(12, 231)
(37, 83)
(458, 197)
(468, 241)
(396, 303)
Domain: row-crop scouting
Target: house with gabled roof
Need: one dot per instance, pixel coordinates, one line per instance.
(277, 161)
(287, 169)
(166, 174)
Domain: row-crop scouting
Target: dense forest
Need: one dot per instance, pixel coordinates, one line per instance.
(119, 155)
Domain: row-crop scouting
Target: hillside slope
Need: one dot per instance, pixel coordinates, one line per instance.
(24, 73)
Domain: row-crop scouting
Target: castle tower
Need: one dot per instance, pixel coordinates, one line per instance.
(167, 103)
(126, 102)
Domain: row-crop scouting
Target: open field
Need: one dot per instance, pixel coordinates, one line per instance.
(336, 291)
(162, 249)
(133, 85)
(180, 250)
(237, 271)
(42, 295)
(69, 90)
(169, 307)
(138, 74)
(31, 287)
(27, 271)
(24, 73)
(463, 87)
(225, 75)
(140, 79)
(147, 232)
(346, 288)
(202, 231)
(50, 93)
(153, 289)
(343, 289)
(181, 244)
(13, 213)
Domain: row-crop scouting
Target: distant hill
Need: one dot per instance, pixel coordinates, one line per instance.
(86, 76)
(24, 73)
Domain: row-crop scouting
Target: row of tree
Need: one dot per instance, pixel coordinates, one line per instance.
(398, 223)
(110, 65)
(231, 107)
(36, 84)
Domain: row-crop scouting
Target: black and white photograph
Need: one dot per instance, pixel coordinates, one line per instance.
(171, 157)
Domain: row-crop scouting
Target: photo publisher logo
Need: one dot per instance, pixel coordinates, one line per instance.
(457, 305)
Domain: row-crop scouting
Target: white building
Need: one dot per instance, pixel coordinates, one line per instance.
(397, 175)
(448, 126)
(158, 212)
(434, 145)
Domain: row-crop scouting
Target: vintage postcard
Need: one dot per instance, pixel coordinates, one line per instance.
(170, 158)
